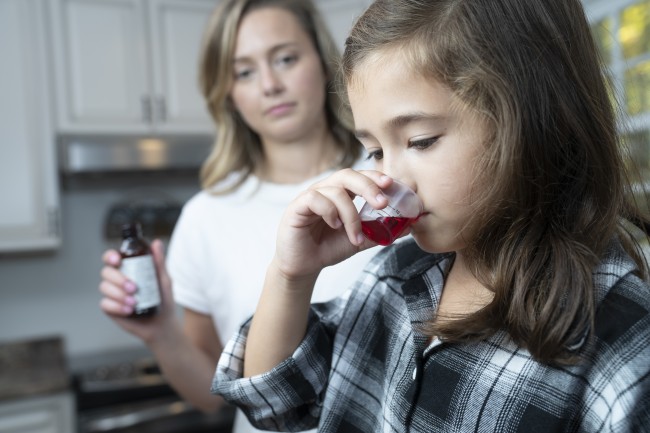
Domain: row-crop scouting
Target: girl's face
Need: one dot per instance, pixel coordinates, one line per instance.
(279, 82)
(409, 127)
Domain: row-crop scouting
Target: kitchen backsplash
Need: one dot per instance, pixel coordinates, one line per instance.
(56, 293)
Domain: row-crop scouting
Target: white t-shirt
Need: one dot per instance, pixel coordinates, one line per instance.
(220, 250)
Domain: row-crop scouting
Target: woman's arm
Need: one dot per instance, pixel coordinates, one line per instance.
(188, 359)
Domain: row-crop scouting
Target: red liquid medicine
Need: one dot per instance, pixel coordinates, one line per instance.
(384, 230)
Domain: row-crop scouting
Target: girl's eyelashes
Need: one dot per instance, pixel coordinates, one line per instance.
(423, 143)
(420, 144)
(375, 154)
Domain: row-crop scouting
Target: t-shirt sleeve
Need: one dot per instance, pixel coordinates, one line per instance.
(289, 397)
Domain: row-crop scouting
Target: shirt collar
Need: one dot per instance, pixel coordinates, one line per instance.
(421, 277)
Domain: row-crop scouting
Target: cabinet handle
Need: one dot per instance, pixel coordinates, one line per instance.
(146, 108)
(161, 106)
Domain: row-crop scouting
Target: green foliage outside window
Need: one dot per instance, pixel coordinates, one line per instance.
(637, 88)
(634, 31)
(623, 37)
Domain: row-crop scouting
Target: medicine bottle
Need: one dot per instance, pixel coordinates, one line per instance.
(138, 266)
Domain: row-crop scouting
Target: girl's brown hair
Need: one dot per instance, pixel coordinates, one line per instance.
(237, 147)
(551, 189)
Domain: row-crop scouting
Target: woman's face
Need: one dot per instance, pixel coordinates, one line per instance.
(279, 82)
(409, 127)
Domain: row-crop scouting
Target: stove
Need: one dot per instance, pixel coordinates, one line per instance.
(124, 392)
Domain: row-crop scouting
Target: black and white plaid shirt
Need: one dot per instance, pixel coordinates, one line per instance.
(364, 367)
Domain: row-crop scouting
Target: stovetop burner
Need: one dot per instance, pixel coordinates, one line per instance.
(122, 382)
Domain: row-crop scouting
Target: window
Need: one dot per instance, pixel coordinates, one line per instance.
(622, 32)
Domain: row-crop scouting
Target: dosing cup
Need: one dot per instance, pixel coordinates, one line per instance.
(384, 226)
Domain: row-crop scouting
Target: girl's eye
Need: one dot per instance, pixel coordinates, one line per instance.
(423, 143)
(376, 155)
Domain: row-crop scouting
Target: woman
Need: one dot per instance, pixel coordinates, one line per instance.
(267, 67)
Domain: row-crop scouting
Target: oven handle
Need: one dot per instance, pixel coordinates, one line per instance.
(121, 384)
(114, 422)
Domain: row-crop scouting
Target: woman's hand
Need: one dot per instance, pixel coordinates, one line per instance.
(118, 300)
(321, 227)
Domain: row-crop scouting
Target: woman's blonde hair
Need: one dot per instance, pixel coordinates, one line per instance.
(237, 147)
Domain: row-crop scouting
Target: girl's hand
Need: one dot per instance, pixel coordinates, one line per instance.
(118, 301)
(321, 227)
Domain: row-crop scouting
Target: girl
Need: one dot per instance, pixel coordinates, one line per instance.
(266, 73)
(523, 304)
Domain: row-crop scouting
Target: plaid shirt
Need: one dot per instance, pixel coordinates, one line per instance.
(364, 366)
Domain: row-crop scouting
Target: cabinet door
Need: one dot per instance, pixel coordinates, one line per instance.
(177, 28)
(28, 181)
(101, 65)
(340, 15)
(52, 414)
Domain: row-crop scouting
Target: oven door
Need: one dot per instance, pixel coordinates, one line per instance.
(132, 396)
(161, 415)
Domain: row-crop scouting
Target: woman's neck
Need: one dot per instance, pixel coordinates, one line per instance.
(299, 160)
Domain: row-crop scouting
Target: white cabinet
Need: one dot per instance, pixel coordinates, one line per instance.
(50, 414)
(340, 15)
(29, 219)
(129, 66)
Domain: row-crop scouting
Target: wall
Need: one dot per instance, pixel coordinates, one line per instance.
(57, 293)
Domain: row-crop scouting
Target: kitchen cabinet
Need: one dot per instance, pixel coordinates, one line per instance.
(28, 182)
(129, 66)
(47, 414)
(340, 15)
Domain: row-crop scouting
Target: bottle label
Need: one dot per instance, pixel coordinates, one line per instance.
(142, 272)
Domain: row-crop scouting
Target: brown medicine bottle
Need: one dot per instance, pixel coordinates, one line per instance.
(138, 266)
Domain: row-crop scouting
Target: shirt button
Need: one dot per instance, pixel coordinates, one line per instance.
(415, 373)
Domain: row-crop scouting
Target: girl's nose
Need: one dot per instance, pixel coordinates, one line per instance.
(404, 180)
(401, 175)
(391, 167)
